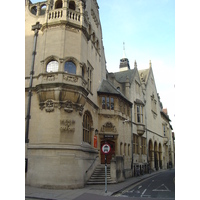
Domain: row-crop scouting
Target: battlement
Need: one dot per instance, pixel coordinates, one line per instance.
(57, 10)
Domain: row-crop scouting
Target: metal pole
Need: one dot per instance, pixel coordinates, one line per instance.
(105, 173)
(30, 87)
(35, 28)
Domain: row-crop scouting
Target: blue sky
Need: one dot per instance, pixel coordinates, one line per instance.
(146, 26)
(148, 29)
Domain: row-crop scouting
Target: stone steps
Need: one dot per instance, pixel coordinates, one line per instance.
(98, 177)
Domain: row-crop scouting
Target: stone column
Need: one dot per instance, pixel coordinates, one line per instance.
(152, 160)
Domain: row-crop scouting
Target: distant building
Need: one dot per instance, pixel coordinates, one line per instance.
(74, 105)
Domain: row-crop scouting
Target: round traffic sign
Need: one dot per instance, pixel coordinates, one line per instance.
(105, 148)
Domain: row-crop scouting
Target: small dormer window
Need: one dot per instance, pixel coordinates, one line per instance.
(72, 5)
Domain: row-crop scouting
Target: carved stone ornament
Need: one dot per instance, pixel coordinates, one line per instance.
(108, 116)
(86, 18)
(49, 106)
(67, 126)
(154, 114)
(80, 109)
(108, 127)
(68, 107)
(50, 77)
(70, 78)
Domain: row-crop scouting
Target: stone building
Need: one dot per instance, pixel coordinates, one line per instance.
(74, 105)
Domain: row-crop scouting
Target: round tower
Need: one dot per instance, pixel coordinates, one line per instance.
(64, 65)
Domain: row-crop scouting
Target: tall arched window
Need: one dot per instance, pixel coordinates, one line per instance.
(87, 124)
(72, 5)
(52, 66)
(58, 4)
(70, 67)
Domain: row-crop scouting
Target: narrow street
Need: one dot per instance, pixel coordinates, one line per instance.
(161, 186)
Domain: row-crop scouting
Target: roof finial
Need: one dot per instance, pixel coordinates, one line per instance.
(150, 65)
(135, 64)
(124, 54)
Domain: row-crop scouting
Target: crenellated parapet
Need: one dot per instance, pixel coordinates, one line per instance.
(69, 13)
(68, 10)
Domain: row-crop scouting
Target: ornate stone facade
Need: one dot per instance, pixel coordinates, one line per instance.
(74, 105)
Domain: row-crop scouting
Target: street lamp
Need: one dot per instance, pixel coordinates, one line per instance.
(96, 132)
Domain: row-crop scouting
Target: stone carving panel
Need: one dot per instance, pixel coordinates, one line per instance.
(50, 77)
(108, 127)
(69, 107)
(49, 105)
(67, 125)
(69, 78)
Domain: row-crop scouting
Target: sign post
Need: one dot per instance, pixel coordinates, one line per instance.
(105, 149)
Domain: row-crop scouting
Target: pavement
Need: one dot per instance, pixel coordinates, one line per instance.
(76, 194)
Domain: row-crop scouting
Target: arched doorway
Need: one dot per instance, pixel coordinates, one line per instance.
(160, 156)
(112, 151)
(155, 155)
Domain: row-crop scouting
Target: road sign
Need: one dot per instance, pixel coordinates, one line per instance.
(105, 148)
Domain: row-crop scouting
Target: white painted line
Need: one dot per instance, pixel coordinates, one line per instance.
(143, 192)
(146, 195)
(162, 190)
(139, 187)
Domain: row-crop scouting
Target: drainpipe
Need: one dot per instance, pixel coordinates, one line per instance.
(35, 28)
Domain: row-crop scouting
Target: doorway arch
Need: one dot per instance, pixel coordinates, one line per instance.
(155, 155)
(151, 154)
(160, 156)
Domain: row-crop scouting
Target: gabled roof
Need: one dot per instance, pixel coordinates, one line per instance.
(144, 75)
(121, 77)
(165, 115)
(107, 88)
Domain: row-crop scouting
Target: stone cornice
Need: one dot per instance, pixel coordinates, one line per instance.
(68, 25)
(82, 147)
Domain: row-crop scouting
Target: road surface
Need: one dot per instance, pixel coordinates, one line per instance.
(161, 186)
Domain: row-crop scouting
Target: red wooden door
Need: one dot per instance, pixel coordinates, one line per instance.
(112, 151)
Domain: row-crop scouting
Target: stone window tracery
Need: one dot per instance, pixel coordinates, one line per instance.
(70, 67)
(135, 144)
(52, 66)
(107, 103)
(87, 126)
(90, 76)
(139, 113)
